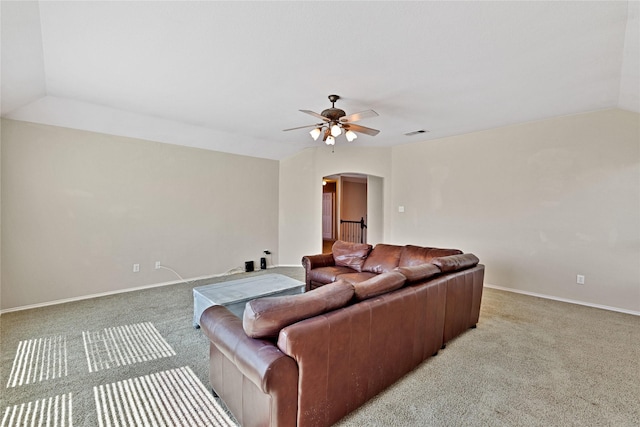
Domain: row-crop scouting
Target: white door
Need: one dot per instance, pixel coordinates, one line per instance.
(327, 216)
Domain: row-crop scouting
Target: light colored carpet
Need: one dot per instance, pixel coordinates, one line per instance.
(57, 360)
(530, 362)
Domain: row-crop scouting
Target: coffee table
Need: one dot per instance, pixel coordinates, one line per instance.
(234, 294)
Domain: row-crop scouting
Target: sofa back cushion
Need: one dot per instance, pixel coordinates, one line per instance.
(352, 255)
(383, 258)
(378, 285)
(455, 262)
(264, 317)
(416, 255)
(418, 273)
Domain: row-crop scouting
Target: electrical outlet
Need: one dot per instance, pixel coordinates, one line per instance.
(157, 265)
(580, 279)
(136, 268)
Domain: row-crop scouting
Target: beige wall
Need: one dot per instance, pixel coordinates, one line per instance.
(80, 208)
(354, 200)
(301, 192)
(539, 203)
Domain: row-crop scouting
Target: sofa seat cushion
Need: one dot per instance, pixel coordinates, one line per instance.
(416, 255)
(417, 273)
(264, 317)
(349, 254)
(383, 258)
(378, 285)
(328, 274)
(356, 277)
(456, 262)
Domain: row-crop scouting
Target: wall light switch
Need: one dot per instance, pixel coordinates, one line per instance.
(401, 209)
(136, 268)
(580, 279)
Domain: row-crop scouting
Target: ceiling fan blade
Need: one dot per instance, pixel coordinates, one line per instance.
(361, 129)
(302, 127)
(358, 116)
(315, 115)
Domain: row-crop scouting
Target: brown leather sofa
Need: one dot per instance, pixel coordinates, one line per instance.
(310, 359)
(356, 262)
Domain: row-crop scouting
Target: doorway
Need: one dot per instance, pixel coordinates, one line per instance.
(351, 209)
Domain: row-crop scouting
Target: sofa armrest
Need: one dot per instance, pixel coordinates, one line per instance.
(260, 361)
(257, 382)
(309, 262)
(316, 261)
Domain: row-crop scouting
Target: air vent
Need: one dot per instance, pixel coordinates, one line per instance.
(416, 132)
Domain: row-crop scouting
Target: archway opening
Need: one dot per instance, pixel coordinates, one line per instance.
(349, 202)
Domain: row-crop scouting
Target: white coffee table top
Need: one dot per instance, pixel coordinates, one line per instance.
(238, 291)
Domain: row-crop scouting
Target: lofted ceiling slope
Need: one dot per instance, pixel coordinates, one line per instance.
(229, 76)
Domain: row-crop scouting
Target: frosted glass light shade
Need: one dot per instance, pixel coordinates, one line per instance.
(331, 140)
(315, 134)
(351, 135)
(335, 130)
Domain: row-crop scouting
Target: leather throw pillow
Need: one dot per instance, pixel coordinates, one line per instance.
(352, 255)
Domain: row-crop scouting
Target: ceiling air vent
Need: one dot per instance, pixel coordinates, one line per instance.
(416, 132)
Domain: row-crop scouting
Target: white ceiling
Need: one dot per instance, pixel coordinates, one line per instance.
(229, 76)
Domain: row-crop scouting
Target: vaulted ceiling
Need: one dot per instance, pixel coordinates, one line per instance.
(230, 76)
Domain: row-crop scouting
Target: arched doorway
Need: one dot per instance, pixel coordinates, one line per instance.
(351, 209)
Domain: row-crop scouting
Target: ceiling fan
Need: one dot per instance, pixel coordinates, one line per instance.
(334, 120)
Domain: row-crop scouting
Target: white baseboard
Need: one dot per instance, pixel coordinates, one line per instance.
(175, 282)
(570, 301)
(104, 294)
(120, 291)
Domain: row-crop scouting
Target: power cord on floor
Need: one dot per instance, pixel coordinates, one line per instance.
(179, 276)
(234, 270)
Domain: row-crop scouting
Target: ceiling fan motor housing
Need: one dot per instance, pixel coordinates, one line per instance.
(333, 114)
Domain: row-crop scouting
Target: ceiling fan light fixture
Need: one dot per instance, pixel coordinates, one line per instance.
(315, 133)
(335, 122)
(350, 135)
